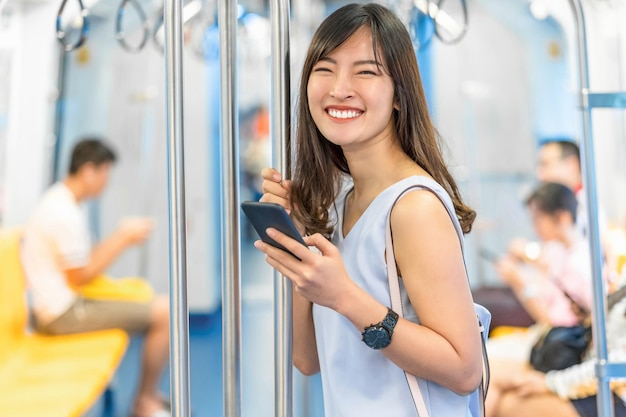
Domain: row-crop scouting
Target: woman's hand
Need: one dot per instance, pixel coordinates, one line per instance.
(319, 277)
(275, 188)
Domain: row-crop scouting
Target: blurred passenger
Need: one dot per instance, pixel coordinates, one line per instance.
(559, 161)
(555, 286)
(58, 259)
(518, 391)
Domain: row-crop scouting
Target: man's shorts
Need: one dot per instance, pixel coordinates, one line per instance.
(87, 315)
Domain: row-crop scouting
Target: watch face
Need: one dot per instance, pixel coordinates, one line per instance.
(376, 337)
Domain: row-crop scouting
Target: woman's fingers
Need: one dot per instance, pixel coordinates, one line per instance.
(282, 261)
(275, 188)
(292, 245)
(277, 265)
(321, 243)
(271, 174)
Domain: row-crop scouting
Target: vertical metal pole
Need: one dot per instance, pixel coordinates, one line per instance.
(604, 397)
(59, 113)
(179, 312)
(231, 275)
(280, 127)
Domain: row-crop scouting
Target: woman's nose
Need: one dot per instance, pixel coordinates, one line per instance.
(342, 87)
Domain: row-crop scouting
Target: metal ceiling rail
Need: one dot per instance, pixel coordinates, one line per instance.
(605, 370)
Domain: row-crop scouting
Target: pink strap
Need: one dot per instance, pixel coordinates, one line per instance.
(396, 305)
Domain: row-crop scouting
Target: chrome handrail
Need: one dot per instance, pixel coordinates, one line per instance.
(604, 395)
(179, 310)
(231, 274)
(280, 125)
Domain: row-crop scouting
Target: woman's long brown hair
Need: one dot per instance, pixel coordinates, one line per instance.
(320, 163)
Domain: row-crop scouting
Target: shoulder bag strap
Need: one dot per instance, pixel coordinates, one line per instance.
(396, 305)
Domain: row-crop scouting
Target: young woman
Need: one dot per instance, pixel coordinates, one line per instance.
(364, 136)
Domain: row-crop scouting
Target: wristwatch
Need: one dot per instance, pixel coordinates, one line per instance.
(378, 336)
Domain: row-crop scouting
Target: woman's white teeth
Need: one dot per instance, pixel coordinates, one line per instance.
(344, 114)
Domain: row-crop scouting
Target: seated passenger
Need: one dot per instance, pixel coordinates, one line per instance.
(518, 391)
(554, 286)
(58, 259)
(559, 161)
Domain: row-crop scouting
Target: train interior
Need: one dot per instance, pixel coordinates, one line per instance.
(501, 77)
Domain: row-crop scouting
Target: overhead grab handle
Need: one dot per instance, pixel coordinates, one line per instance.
(448, 20)
(84, 27)
(447, 26)
(157, 33)
(119, 31)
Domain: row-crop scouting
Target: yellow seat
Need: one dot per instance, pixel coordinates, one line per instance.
(621, 262)
(47, 376)
(507, 330)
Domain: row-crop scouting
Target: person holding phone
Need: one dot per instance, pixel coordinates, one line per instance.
(60, 261)
(555, 287)
(364, 136)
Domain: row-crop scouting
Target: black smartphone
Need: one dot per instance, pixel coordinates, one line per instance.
(264, 215)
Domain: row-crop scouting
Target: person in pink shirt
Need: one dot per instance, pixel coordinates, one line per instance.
(553, 283)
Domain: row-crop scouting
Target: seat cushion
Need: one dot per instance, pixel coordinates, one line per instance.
(50, 376)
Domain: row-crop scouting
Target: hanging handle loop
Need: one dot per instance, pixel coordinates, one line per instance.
(84, 27)
(119, 31)
(435, 15)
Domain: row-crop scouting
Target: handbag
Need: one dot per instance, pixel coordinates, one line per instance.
(563, 346)
(477, 398)
(560, 347)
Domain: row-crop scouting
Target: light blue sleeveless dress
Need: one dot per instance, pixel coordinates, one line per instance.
(357, 380)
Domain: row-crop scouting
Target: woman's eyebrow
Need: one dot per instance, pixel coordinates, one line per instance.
(367, 62)
(360, 62)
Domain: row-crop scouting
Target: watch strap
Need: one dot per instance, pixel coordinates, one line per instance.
(390, 321)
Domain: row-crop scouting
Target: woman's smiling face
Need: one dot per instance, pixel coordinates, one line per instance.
(351, 95)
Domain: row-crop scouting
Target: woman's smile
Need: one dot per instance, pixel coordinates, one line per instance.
(344, 114)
